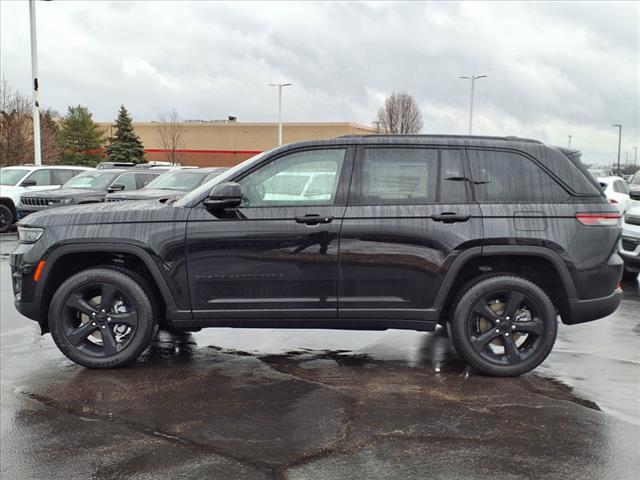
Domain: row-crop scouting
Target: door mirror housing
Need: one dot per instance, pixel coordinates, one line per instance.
(224, 195)
(116, 187)
(29, 183)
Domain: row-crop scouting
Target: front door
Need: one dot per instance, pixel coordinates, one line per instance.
(275, 256)
(410, 213)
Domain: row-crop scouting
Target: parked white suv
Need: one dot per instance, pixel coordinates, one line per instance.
(629, 248)
(617, 191)
(19, 179)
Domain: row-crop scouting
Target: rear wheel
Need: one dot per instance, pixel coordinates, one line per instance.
(6, 218)
(102, 318)
(503, 325)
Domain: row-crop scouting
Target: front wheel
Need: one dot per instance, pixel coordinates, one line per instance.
(101, 318)
(6, 218)
(504, 325)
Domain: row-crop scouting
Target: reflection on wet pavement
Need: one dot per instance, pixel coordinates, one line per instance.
(305, 404)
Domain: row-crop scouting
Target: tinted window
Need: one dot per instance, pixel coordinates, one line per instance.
(509, 177)
(453, 182)
(41, 177)
(392, 176)
(303, 178)
(144, 178)
(61, 177)
(621, 186)
(128, 180)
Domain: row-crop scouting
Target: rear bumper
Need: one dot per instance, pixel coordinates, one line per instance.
(582, 311)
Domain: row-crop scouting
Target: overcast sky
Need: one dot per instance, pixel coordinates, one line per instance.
(554, 69)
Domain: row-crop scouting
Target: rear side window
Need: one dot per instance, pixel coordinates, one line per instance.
(393, 176)
(505, 177)
(409, 176)
(60, 177)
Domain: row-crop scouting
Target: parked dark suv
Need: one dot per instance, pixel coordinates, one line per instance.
(494, 236)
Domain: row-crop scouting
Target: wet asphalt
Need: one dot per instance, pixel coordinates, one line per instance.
(314, 404)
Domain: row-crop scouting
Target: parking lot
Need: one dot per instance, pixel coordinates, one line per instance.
(312, 404)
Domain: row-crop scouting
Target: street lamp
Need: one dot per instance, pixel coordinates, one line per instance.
(279, 85)
(473, 79)
(36, 92)
(635, 157)
(619, 142)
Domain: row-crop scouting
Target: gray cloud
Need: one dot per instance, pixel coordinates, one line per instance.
(555, 68)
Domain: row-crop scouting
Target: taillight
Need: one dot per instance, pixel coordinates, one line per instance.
(598, 219)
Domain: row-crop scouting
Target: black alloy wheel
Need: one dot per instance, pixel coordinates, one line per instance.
(504, 325)
(6, 218)
(102, 317)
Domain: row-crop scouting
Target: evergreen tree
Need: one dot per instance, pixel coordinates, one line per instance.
(125, 145)
(81, 138)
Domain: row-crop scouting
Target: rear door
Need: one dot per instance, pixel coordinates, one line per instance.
(409, 215)
(275, 256)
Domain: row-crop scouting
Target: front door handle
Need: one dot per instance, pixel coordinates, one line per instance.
(314, 219)
(450, 217)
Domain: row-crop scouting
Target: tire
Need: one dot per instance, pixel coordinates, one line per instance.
(629, 275)
(6, 218)
(109, 332)
(503, 325)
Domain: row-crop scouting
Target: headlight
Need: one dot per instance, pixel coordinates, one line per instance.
(62, 200)
(29, 234)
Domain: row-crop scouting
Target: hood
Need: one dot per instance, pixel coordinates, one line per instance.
(112, 212)
(145, 194)
(66, 192)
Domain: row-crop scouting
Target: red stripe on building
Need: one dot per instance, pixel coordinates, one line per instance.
(178, 150)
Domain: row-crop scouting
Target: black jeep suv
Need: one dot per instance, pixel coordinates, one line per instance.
(493, 236)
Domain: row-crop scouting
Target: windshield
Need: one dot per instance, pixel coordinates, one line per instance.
(92, 180)
(183, 181)
(636, 179)
(11, 176)
(205, 187)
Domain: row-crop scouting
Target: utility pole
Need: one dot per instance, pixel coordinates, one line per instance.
(36, 90)
(279, 85)
(619, 142)
(473, 79)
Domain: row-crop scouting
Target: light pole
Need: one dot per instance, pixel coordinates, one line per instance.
(279, 85)
(569, 141)
(635, 157)
(36, 92)
(619, 142)
(473, 79)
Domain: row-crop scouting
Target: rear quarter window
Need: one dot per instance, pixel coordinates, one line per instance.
(508, 177)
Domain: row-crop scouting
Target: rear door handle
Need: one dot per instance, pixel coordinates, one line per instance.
(314, 219)
(450, 217)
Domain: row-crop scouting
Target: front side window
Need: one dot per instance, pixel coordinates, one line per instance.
(505, 177)
(621, 186)
(128, 180)
(302, 178)
(42, 178)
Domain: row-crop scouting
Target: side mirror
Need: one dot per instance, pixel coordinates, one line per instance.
(116, 187)
(224, 195)
(29, 183)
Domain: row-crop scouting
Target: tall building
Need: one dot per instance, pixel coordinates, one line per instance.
(225, 143)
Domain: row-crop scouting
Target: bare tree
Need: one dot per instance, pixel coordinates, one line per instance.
(400, 114)
(15, 126)
(16, 130)
(171, 131)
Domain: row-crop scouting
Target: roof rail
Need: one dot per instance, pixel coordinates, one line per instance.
(447, 136)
